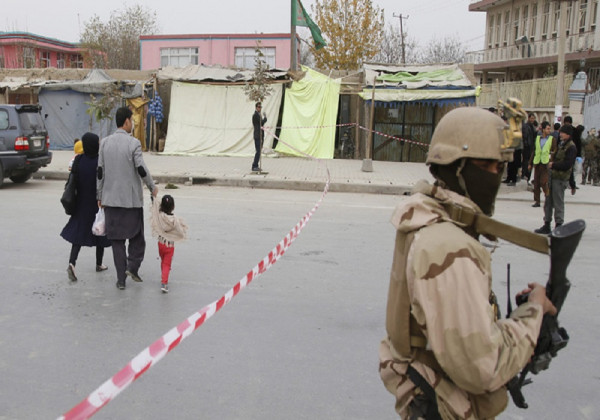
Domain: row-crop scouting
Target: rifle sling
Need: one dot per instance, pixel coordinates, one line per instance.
(487, 226)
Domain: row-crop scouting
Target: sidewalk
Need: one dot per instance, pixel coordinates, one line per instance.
(295, 173)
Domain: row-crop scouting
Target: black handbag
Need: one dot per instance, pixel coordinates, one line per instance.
(69, 196)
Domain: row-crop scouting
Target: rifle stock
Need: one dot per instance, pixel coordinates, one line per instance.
(552, 338)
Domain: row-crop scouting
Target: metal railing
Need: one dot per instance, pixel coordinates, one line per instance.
(542, 48)
(535, 94)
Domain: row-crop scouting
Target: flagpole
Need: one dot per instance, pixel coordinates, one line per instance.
(293, 47)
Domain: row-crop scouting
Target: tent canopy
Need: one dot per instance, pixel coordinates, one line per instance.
(215, 120)
(309, 116)
(434, 84)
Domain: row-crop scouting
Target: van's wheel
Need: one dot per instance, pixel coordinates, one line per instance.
(19, 179)
(1, 174)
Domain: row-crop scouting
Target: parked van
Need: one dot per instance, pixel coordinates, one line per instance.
(24, 142)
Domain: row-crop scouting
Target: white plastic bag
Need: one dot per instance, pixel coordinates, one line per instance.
(99, 226)
(578, 167)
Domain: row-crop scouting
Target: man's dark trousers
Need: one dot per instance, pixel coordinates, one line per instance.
(130, 260)
(513, 167)
(257, 146)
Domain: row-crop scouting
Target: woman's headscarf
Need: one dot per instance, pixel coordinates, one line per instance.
(91, 144)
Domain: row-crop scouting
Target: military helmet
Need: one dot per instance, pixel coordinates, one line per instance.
(468, 132)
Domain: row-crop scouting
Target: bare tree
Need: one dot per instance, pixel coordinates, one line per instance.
(307, 57)
(448, 50)
(391, 47)
(115, 44)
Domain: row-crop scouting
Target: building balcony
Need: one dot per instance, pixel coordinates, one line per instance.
(524, 53)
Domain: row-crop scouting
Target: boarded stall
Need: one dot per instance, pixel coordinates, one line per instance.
(408, 103)
(65, 104)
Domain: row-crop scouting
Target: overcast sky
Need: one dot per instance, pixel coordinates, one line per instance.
(64, 19)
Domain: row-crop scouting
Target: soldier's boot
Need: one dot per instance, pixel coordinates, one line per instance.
(545, 230)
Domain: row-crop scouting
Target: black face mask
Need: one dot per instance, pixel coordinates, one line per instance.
(482, 186)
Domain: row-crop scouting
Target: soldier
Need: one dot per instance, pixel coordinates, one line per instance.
(446, 354)
(591, 153)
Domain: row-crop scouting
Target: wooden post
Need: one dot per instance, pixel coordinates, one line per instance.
(154, 136)
(368, 162)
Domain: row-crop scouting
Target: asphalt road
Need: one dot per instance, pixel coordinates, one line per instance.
(300, 342)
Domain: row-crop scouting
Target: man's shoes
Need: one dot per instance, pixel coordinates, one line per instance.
(545, 230)
(120, 286)
(164, 287)
(71, 272)
(256, 169)
(134, 276)
(505, 181)
(101, 267)
(573, 191)
(511, 184)
(535, 205)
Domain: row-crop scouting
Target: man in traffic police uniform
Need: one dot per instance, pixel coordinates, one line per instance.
(446, 354)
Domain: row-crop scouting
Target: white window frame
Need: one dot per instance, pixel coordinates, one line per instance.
(506, 27)
(60, 60)
(244, 57)
(178, 56)
(583, 6)
(28, 57)
(76, 61)
(45, 59)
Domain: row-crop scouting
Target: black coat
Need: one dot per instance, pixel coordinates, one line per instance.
(257, 123)
(78, 229)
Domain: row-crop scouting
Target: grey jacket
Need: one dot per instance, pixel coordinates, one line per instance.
(120, 167)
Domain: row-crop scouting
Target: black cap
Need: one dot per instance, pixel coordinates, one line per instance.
(567, 129)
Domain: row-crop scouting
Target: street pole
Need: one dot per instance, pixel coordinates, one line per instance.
(560, 71)
(402, 36)
(367, 165)
(293, 47)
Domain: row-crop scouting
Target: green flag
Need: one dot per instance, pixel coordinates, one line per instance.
(301, 18)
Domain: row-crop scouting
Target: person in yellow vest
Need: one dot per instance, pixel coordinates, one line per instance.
(544, 149)
(560, 167)
(446, 354)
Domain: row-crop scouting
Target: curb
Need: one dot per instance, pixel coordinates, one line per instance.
(299, 185)
(258, 183)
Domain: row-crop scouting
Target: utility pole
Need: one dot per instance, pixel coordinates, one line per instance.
(400, 17)
(560, 68)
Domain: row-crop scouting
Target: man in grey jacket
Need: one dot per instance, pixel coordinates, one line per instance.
(121, 169)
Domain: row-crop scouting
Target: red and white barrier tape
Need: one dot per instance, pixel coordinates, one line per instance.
(311, 126)
(157, 350)
(266, 128)
(394, 137)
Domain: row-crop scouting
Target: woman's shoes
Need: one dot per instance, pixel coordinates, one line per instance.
(101, 267)
(71, 272)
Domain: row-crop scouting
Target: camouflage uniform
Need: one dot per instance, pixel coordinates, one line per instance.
(446, 275)
(591, 162)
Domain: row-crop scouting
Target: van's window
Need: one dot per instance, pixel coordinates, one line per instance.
(31, 121)
(3, 119)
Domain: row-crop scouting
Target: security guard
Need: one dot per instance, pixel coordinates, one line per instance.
(446, 354)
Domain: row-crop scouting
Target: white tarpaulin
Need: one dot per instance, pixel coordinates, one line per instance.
(216, 120)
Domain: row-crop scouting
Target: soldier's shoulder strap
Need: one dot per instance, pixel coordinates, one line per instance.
(487, 226)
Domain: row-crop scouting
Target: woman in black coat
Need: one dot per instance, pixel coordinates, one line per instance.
(78, 230)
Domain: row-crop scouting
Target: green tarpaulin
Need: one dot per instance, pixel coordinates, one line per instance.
(441, 75)
(309, 116)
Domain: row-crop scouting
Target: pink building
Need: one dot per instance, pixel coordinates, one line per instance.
(27, 50)
(157, 51)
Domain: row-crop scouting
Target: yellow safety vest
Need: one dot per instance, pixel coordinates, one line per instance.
(542, 154)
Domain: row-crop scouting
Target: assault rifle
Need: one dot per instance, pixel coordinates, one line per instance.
(563, 243)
